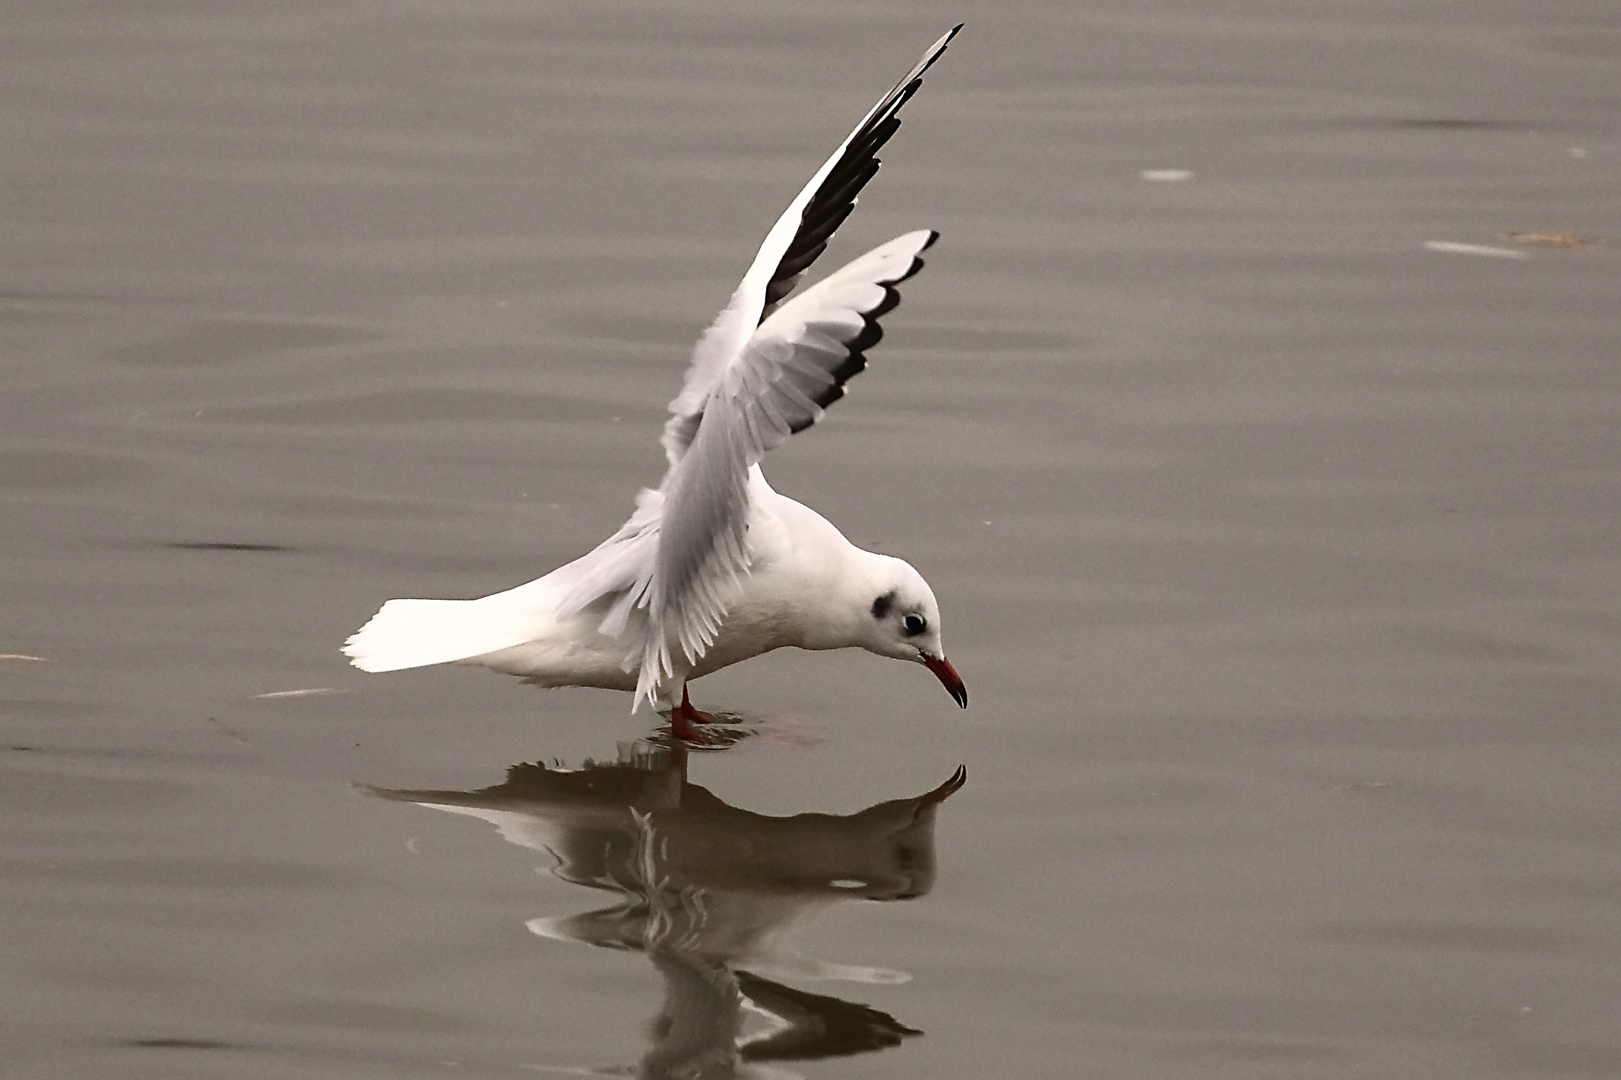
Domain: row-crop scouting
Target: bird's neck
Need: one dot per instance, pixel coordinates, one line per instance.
(845, 619)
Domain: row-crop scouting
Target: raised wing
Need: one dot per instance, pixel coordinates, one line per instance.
(793, 366)
(794, 242)
(796, 364)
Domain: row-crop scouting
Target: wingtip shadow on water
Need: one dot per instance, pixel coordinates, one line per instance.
(711, 892)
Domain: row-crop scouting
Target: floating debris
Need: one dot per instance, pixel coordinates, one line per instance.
(180, 1044)
(1543, 238)
(1166, 176)
(301, 693)
(1452, 247)
(235, 735)
(223, 545)
(25, 656)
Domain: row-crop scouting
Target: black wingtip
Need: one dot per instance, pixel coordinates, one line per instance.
(934, 51)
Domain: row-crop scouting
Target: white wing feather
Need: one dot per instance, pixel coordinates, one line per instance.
(793, 243)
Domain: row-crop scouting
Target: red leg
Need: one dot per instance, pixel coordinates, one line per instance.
(683, 718)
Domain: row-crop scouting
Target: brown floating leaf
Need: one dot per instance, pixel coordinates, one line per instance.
(1543, 238)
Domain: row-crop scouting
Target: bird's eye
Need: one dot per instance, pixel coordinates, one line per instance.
(914, 624)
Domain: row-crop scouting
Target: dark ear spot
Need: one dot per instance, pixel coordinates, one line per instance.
(881, 606)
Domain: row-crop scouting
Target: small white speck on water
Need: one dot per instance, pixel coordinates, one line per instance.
(1489, 251)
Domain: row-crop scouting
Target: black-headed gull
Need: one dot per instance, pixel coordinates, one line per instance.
(714, 566)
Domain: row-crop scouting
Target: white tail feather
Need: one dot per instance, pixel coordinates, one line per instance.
(416, 633)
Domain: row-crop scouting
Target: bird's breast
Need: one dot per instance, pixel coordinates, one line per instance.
(749, 630)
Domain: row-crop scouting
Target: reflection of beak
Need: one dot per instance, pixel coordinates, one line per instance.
(953, 784)
(948, 677)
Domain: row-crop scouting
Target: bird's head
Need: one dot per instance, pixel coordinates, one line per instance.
(902, 619)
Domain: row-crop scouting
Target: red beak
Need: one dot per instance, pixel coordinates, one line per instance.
(948, 677)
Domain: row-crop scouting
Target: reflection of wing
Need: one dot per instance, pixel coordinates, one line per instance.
(815, 1025)
(792, 367)
(696, 1033)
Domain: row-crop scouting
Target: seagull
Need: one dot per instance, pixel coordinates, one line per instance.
(714, 566)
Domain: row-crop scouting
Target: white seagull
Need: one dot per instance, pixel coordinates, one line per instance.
(714, 566)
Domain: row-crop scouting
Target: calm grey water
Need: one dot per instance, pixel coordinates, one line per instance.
(1278, 550)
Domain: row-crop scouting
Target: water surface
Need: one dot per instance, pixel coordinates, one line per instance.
(1277, 549)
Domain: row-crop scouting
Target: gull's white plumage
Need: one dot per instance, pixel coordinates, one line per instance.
(714, 566)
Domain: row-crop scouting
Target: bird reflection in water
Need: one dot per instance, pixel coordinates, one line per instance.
(710, 892)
